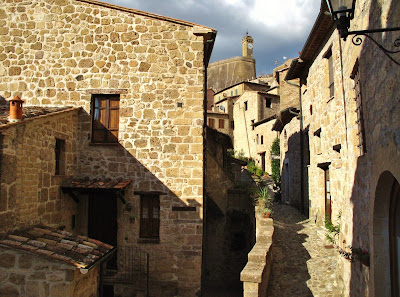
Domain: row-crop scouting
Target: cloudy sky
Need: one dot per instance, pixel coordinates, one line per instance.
(279, 27)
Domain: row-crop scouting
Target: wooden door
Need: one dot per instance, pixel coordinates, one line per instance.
(102, 217)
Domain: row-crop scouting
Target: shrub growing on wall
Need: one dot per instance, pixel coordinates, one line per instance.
(275, 163)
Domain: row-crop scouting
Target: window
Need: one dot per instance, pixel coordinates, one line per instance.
(359, 110)
(60, 157)
(262, 139)
(257, 139)
(105, 118)
(211, 123)
(267, 103)
(328, 56)
(236, 92)
(252, 124)
(149, 216)
(245, 105)
(233, 125)
(221, 123)
(231, 93)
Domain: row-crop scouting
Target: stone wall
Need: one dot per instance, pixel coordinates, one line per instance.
(24, 274)
(290, 163)
(255, 276)
(61, 52)
(30, 189)
(268, 136)
(225, 73)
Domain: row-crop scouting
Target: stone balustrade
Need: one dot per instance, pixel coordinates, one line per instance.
(256, 273)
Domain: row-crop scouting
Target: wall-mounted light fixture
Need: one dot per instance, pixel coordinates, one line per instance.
(342, 11)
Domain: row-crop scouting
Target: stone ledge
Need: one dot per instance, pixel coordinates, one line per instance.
(255, 275)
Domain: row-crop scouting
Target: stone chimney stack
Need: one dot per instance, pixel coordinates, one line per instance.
(15, 109)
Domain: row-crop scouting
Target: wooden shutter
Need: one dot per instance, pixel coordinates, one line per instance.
(149, 216)
(221, 123)
(105, 118)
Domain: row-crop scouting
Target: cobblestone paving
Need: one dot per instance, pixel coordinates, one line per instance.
(303, 266)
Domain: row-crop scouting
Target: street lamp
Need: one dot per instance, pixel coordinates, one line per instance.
(342, 11)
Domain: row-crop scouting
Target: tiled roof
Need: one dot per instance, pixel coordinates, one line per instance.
(80, 251)
(86, 183)
(30, 112)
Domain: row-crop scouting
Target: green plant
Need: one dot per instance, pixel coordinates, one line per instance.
(264, 197)
(333, 230)
(275, 163)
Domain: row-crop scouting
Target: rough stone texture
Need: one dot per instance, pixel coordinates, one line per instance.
(360, 183)
(225, 73)
(304, 264)
(30, 188)
(45, 278)
(69, 50)
(256, 274)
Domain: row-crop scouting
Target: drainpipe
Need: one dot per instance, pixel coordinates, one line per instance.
(301, 146)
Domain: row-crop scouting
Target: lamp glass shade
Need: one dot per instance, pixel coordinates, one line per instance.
(340, 8)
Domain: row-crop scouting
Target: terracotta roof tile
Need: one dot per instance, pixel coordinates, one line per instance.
(80, 251)
(30, 112)
(85, 183)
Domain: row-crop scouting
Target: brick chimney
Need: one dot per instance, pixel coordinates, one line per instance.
(15, 109)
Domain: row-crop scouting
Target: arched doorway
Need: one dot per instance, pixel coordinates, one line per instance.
(386, 237)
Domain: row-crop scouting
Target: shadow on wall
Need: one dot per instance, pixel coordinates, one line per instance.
(291, 171)
(375, 70)
(176, 258)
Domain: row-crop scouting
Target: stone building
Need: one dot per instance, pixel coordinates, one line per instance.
(225, 73)
(350, 102)
(139, 81)
(230, 218)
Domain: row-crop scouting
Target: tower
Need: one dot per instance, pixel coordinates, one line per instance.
(247, 46)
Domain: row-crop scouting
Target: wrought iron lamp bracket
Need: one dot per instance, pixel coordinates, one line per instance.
(357, 40)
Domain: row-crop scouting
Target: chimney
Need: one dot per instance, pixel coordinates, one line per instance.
(15, 109)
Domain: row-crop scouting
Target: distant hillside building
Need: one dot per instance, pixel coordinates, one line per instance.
(225, 73)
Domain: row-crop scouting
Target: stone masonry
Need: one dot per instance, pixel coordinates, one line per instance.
(61, 52)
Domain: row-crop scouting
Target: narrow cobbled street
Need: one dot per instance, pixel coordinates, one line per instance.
(304, 264)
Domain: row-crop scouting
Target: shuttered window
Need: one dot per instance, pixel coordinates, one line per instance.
(211, 123)
(149, 216)
(359, 110)
(105, 118)
(221, 123)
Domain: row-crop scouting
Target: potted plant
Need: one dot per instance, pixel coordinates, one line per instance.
(267, 212)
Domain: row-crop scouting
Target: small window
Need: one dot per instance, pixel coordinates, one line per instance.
(331, 86)
(359, 110)
(268, 103)
(60, 157)
(149, 216)
(231, 93)
(236, 92)
(262, 139)
(245, 105)
(211, 123)
(105, 118)
(221, 123)
(252, 124)
(233, 125)
(257, 139)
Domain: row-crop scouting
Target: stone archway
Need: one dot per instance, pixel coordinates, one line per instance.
(381, 276)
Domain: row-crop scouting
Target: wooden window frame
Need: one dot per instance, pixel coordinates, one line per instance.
(102, 131)
(149, 216)
(59, 151)
(355, 76)
(328, 55)
(211, 123)
(221, 124)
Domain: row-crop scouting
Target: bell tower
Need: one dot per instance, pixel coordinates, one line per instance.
(247, 46)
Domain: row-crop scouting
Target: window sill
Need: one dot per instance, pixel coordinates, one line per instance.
(149, 240)
(104, 143)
